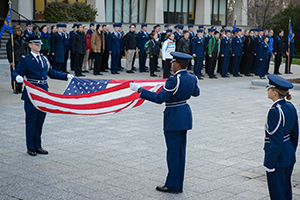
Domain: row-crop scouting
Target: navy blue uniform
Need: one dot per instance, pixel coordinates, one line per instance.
(288, 65)
(265, 56)
(28, 34)
(142, 38)
(115, 47)
(72, 53)
(36, 73)
(281, 140)
(176, 35)
(237, 50)
(225, 50)
(177, 120)
(198, 49)
(68, 46)
(58, 47)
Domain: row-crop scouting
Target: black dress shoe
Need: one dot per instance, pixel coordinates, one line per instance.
(157, 70)
(85, 71)
(165, 189)
(153, 75)
(31, 152)
(82, 75)
(145, 70)
(120, 69)
(117, 72)
(226, 76)
(248, 75)
(133, 68)
(41, 151)
(200, 78)
(129, 71)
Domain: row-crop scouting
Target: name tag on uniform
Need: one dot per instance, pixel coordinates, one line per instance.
(143, 36)
(199, 42)
(237, 42)
(226, 42)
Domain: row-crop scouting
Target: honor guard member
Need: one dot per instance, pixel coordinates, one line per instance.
(264, 57)
(142, 38)
(58, 48)
(122, 51)
(224, 27)
(67, 44)
(73, 32)
(177, 117)
(176, 33)
(114, 49)
(36, 69)
(180, 32)
(225, 53)
(281, 139)
(198, 53)
(289, 53)
(254, 63)
(237, 52)
(28, 32)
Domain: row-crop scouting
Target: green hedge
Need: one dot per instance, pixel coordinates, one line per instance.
(76, 12)
(281, 21)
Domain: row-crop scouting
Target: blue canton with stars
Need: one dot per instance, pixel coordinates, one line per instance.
(85, 86)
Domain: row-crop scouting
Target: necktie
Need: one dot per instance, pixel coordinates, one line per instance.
(40, 61)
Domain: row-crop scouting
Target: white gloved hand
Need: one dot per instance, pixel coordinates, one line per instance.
(270, 170)
(70, 76)
(134, 87)
(19, 79)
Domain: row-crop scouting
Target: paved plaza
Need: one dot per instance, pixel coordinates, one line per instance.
(123, 156)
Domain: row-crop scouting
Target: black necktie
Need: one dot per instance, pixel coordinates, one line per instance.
(39, 61)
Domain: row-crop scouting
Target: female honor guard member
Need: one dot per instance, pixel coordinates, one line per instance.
(36, 69)
(281, 139)
(177, 117)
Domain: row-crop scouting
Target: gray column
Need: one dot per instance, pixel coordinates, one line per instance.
(203, 12)
(100, 6)
(155, 12)
(25, 7)
(240, 12)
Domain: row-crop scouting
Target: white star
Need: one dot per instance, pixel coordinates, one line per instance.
(84, 83)
(88, 91)
(74, 87)
(82, 92)
(86, 88)
(80, 88)
(91, 84)
(98, 83)
(75, 91)
(69, 93)
(68, 88)
(93, 87)
(73, 82)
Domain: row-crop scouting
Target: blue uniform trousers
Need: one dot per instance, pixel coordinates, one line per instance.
(115, 60)
(225, 64)
(263, 67)
(142, 60)
(236, 65)
(58, 66)
(288, 67)
(64, 68)
(198, 66)
(257, 65)
(279, 183)
(34, 122)
(252, 68)
(176, 150)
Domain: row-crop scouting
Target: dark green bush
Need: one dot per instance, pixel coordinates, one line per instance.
(76, 12)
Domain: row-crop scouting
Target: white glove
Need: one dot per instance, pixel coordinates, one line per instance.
(19, 79)
(134, 87)
(70, 76)
(270, 170)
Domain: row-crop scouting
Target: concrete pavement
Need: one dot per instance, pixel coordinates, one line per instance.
(122, 156)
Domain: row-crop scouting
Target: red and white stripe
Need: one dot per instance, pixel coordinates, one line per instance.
(115, 98)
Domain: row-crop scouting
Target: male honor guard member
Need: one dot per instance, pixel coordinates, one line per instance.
(237, 52)
(36, 69)
(225, 53)
(281, 139)
(177, 117)
(28, 32)
(114, 48)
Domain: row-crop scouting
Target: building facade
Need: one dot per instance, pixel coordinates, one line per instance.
(204, 12)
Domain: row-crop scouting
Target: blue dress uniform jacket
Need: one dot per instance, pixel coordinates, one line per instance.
(198, 47)
(287, 46)
(265, 56)
(225, 50)
(237, 50)
(177, 91)
(281, 140)
(58, 47)
(36, 73)
(28, 34)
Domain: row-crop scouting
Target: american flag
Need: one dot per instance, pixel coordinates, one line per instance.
(91, 96)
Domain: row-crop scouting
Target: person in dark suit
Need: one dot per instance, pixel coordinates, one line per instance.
(20, 49)
(78, 46)
(277, 50)
(177, 117)
(73, 32)
(237, 52)
(281, 139)
(206, 40)
(67, 44)
(289, 53)
(225, 53)
(213, 52)
(198, 53)
(58, 48)
(249, 46)
(106, 32)
(114, 49)
(154, 51)
(36, 69)
(142, 38)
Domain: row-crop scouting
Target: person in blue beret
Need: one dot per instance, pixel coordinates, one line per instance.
(177, 117)
(289, 53)
(264, 57)
(281, 139)
(224, 27)
(28, 32)
(198, 53)
(142, 38)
